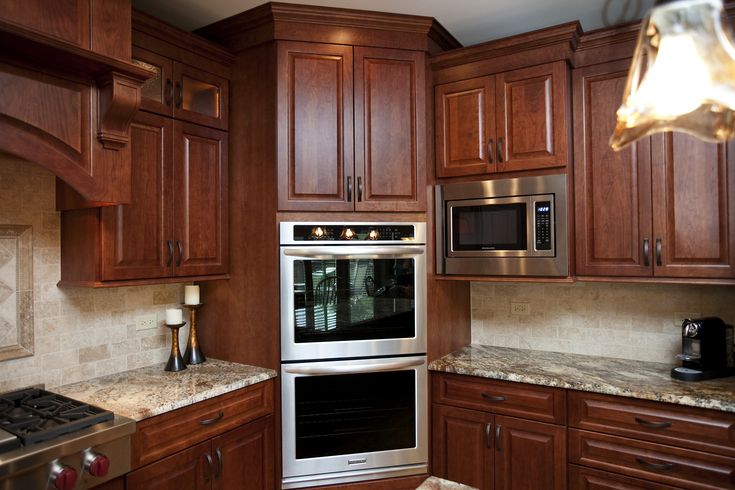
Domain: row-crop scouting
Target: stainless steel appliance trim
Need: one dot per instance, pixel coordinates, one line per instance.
(286, 232)
(358, 251)
(292, 351)
(320, 369)
(357, 475)
(312, 469)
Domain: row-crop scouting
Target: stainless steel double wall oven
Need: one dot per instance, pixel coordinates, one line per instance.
(353, 350)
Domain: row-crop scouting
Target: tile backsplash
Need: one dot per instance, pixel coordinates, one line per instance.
(79, 333)
(628, 321)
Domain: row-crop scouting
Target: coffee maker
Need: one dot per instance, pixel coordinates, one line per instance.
(706, 350)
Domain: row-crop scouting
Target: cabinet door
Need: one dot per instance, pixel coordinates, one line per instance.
(200, 200)
(694, 207)
(532, 106)
(463, 446)
(157, 93)
(465, 127)
(529, 454)
(186, 470)
(612, 189)
(390, 133)
(136, 237)
(315, 127)
(200, 97)
(246, 457)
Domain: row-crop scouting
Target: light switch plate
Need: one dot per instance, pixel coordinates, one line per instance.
(520, 309)
(145, 322)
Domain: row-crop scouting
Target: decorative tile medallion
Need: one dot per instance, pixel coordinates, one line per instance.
(16, 291)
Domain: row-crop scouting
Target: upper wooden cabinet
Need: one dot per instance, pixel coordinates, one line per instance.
(350, 128)
(661, 207)
(516, 120)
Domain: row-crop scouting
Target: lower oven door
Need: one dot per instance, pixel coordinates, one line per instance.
(354, 420)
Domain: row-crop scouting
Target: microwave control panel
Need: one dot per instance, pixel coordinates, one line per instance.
(542, 217)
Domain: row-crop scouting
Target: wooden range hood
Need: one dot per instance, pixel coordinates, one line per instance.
(68, 92)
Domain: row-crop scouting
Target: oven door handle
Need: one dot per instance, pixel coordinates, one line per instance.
(346, 252)
(355, 368)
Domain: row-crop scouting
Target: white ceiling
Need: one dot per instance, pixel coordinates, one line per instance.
(470, 21)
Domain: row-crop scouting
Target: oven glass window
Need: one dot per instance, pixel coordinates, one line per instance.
(489, 227)
(355, 413)
(356, 299)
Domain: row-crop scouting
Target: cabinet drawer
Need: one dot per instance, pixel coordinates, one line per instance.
(581, 478)
(683, 468)
(166, 434)
(503, 397)
(695, 428)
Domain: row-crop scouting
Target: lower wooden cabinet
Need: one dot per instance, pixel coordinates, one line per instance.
(188, 469)
(581, 478)
(244, 457)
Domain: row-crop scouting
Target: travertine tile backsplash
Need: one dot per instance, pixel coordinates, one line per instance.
(629, 321)
(79, 333)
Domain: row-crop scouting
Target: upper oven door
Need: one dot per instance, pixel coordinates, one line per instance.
(352, 301)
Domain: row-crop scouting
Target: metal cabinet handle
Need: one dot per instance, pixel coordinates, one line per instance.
(493, 398)
(213, 419)
(659, 260)
(500, 150)
(490, 150)
(359, 188)
(170, 260)
(208, 476)
(179, 95)
(498, 429)
(181, 253)
(488, 430)
(218, 452)
(652, 425)
(653, 466)
(169, 95)
(646, 253)
(349, 189)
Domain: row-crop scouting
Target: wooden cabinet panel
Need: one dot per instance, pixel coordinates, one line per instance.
(541, 403)
(581, 478)
(612, 189)
(465, 127)
(134, 236)
(532, 117)
(665, 464)
(462, 446)
(245, 457)
(200, 97)
(157, 93)
(315, 126)
(66, 20)
(186, 470)
(390, 148)
(693, 187)
(529, 455)
(200, 200)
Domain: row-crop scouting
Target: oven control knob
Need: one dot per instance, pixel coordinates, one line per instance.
(63, 477)
(96, 464)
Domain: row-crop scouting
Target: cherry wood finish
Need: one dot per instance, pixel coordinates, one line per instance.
(665, 464)
(116, 484)
(187, 469)
(244, 457)
(160, 100)
(581, 478)
(401, 483)
(390, 132)
(462, 447)
(529, 455)
(163, 435)
(542, 403)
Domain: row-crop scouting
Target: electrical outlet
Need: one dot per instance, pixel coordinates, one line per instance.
(679, 317)
(145, 322)
(520, 309)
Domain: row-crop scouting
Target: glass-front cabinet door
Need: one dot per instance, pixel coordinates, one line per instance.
(200, 97)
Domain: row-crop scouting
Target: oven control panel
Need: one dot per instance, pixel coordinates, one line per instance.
(542, 214)
(356, 232)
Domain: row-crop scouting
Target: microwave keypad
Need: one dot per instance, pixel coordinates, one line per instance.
(543, 225)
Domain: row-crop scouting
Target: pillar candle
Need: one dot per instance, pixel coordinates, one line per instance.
(191, 295)
(174, 316)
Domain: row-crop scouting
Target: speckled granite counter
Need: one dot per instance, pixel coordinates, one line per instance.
(434, 483)
(145, 392)
(635, 379)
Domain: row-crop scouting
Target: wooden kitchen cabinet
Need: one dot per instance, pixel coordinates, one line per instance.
(511, 121)
(351, 128)
(662, 207)
(245, 457)
(187, 469)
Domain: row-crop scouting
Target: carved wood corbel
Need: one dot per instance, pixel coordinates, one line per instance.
(118, 101)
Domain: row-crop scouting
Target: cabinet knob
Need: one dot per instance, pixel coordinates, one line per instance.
(349, 189)
(490, 148)
(500, 150)
(659, 259)
(359, 188)
(646, 253)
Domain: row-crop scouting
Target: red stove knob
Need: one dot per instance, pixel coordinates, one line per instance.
(64, 477)
(96, 464)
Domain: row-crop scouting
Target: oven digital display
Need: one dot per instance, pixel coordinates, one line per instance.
(489, 227)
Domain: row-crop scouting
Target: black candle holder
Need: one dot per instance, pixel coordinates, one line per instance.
(175, 361)
(193, 354)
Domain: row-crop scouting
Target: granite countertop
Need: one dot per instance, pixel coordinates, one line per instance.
(434, 483)
(635, 379)
(145, 392)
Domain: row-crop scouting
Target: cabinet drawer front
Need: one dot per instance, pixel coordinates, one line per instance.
(503, 397)
(674, 466)
(166, 434)
(696, 428)
(581, 478)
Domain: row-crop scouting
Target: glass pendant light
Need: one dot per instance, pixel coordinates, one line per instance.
(682, 76)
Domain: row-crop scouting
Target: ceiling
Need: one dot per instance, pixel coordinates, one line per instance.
(470, 21)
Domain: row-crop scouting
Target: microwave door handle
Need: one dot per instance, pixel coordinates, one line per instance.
(355, 252)
(327, 369)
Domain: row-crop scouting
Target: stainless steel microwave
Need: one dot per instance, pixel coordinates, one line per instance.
(503, 227)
